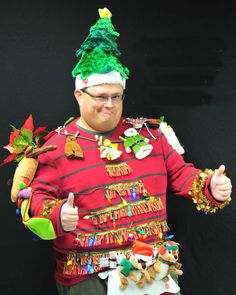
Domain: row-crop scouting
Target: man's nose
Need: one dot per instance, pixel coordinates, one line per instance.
(109, 102)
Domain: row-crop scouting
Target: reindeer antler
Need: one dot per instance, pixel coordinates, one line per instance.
(34, 153)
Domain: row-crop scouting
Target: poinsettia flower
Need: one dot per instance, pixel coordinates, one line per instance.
(28, 124)
(21, 139)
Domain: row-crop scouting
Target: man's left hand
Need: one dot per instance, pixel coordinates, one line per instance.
(221, 187)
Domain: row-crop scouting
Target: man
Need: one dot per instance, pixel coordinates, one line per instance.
(98, 206)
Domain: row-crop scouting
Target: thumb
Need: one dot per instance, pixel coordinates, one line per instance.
(70, 200)
(221, 170)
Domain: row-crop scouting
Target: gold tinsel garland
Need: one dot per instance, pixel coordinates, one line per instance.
(49, 206)
(197, 193)
(121, 235)
(120, 169)
(123, 189)
(126, 209)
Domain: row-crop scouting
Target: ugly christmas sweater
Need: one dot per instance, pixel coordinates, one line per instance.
(118, 201)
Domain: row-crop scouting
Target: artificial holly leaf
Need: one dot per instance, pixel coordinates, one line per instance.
(13, 127)
(68, 121)
(162, 118)
(13, 135)
(19, 158)
(20, 149)
(27, 135)
(39, 140)
(20, 144)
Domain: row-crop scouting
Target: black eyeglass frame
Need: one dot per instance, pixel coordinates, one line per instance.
(104, 99)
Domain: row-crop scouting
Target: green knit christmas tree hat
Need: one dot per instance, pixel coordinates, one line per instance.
(98, 56)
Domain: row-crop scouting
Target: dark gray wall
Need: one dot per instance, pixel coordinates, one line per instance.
(182, 58)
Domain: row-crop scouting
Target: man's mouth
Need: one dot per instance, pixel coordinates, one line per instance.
(107, 113)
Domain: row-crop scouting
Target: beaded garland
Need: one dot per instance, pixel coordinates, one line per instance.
(197, 189)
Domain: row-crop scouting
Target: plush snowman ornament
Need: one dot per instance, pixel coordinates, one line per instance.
(136, 142)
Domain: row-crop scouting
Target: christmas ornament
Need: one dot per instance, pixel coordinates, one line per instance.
(72, 148)
(137, 123)
(136, 142)
(169, 133)
(107, 149)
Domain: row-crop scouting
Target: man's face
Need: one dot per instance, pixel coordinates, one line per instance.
(96, 113)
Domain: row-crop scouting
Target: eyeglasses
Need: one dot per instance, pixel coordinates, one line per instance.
(103, 99)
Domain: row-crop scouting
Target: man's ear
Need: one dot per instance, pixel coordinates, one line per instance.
(78, 96)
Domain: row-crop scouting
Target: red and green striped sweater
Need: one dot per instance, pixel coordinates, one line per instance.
(113, 210)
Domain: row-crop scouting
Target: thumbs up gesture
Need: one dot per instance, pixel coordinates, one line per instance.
(69, 214)
(221, 186)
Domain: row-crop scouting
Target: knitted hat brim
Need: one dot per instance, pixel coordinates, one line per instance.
(112, 77)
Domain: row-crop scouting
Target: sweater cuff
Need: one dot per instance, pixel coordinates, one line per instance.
(201, 194)
(52, 211)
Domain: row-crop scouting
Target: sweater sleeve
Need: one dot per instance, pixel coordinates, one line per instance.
(186, 180)
(180, 174)
(46, 193)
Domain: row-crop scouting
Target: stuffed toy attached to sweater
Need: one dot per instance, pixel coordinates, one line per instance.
(24, 148)
(136, 142)
(142, 255)
(166, 262)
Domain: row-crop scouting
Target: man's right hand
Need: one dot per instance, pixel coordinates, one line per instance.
(69, 214)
